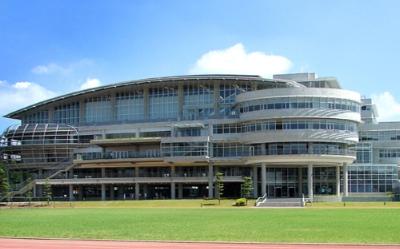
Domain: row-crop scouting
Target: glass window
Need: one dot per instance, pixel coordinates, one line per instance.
(130, 105)
(163, 103)
(98, 109)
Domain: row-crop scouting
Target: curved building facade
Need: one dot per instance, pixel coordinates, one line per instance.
(167, 137)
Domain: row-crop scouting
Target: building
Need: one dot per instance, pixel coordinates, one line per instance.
(167, 137)
(376, 169)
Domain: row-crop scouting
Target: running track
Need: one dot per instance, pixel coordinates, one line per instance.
(85, 244)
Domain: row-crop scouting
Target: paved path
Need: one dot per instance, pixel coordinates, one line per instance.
(85, 244)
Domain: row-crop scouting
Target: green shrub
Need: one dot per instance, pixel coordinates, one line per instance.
(240, 202)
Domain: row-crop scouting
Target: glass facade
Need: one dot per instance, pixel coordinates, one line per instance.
(295, 148)
(324, 180)
(364, 153)
(184, 149)
(227, 95)
(98, 109)
(130, 105)
(37, 117)
(282, 182)
(372, 178)
(299, 103)
(67, 113)
(198, 101)
(301, 124)
(163, 103)
(389, 135)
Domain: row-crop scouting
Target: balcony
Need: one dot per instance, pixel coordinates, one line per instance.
(126, 141)
(117, 155)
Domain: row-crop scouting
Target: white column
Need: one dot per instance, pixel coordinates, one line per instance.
(103, 192)
(263, 179)
(210, 180)
(300, 181)
(137, 190)
(180, 190)
(111, 192)
(310, 181)
(34, 193)
(173, 196)
(255, 181)
(345, 180)
(172, 190)
(71, 192)
(338, 180)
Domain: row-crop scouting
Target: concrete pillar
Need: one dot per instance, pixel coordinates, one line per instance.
(103, 192)
(210, 180)
(345, 180)
(136, 171)
(103, 172)
(145, 191)
(263, 179)
(172, 190)
(71, 192)
(172, 171)
(34, 193)
(137, 191)
(310, 181)
(300, 175)
(255, 181)
(338, 181)
(111, 192)
(80, 192)
(180, 190)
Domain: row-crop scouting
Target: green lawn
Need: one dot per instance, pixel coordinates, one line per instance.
(150, 221)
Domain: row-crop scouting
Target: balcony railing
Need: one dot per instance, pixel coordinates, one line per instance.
(117, 155)
(341, 152)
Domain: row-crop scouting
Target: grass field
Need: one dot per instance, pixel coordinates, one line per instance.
(185, 220)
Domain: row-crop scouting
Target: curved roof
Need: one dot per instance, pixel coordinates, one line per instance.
(289, 83)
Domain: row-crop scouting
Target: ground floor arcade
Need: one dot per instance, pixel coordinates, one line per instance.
(273, 181)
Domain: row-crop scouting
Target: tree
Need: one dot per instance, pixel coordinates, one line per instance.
(246, 187)
(4, 184)
(47, 191)
(219, 185)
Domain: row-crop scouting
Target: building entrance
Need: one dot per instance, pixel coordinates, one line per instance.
(282, 183)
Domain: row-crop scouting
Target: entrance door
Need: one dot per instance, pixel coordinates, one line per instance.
(278, 192)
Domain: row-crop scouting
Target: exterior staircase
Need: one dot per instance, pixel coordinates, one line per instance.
(24, 187)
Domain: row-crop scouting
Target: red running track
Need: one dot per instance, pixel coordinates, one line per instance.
(90, 244)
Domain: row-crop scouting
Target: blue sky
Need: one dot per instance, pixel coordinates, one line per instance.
(48, 48)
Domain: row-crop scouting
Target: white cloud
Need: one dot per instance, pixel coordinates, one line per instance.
(90, 83)
(50, 68)
(21, 94)
(388, 107)
(236, 60)
(54, 68)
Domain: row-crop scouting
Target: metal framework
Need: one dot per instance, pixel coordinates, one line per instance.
(38, 145)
